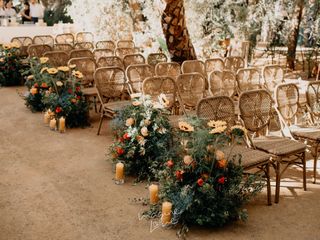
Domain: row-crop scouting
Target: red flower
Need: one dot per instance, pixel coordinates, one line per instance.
(70, 90)
(36, 85)
(170, 163)
(119, 150)
(44, 85)
(121, 140)
(200, 182)
(126, 136)
(58, 109)
(179, 174)
(78, 89)
(78, 97)
(221, 180)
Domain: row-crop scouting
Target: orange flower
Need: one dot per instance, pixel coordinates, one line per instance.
(222, 163)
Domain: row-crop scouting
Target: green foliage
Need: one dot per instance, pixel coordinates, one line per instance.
(143, 136)
(10, 65)
(52, 16)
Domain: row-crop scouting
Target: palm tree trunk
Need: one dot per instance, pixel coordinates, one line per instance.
(176, 33)
(294, 34)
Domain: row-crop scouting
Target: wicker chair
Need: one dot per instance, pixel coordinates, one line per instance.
(57, 58)
(194, 66)
(136, 74)
(43, 39)
(171, 69)
(84, 45)
(112, 61)
(37, 50)
(125, 44)
(222, 83)
(133, 59)
(121, 52)
(24, 43)
(65, 38)
(106, 44)
(222, 108)
(191, 87)
(102, 52)
(318, 73)
(287, 104)
(233, 63)
(84, 37)
(87, 67)
(110, 84)
(77, 53)
(255, 111)
(313, 101)
(248, 79)
(272, 76)
(63, 47)
(155, 58)
(214, 64)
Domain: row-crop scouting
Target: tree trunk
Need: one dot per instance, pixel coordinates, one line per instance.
(294, 34)
(176, 33)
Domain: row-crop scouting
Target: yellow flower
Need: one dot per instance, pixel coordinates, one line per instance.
(9, 54)
(44, 60)
(144, 131)
(63, 69)
(30, 77)
(6, 46)
(136, 103)
(77, 74)
(129, 122)
(220, 155)
(15, 45)
(216, 124)
(59, 83)
(52, 71)
(220, 129)
(72, 66)
(186, 127)
(44, 69)
(243, 129)
(187, 160)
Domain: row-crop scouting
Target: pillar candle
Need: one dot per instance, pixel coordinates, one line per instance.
(53, 124)
(166, 212)
(62, 124)
(46, 118)
(153, 192)
(119, 171)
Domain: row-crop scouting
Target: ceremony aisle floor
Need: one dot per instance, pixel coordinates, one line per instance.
(59, 187)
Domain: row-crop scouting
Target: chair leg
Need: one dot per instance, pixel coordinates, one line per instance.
(315, 164)
(95, 103)
(304, 171)
(100, 123)
(277, 195)
(268, 184)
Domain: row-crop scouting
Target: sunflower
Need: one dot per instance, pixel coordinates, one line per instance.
(52, 71)
(77, 74)
(30, 77)
(6, 46)
(44, 60)
(9, 54)
(219, 129)
(136, 103)
(216, 124)
(44, 69)
(64, 69)
(72, 66)
(186, 127)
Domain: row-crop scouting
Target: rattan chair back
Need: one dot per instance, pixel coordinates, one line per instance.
(77, 53)
(38, 50)
(248, 79)
(194, 66)
(24, 43)
(255, 110)
(84, 45)
(65, 38)
(125, 44)
(87, 67)
(121, 52)
(102, 52)
(63, 47)
(313, 98)
(106, 44)
(214, 64)
(57, 58)
(233, 63)
(155, 58)
(191, 87)
(272, 76)
(133, 59)
(171, 69)
(136, 74)
(110, 83)
(222, 83)
(112, 61)
(84, 37)
(43, 39)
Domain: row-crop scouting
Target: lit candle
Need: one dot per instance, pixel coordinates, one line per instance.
(166, 212)
(119, 173)
(153, 192)
(46, 118)
(62, 124)
(53, 124)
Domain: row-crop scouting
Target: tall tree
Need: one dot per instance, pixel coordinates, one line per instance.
(294, 33)
(176, 33)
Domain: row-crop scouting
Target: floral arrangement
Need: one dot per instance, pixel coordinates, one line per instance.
(202, 181)
(57, 90)
(142, 137)
(10, 65)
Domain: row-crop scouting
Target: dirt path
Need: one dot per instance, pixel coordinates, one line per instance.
(59, 187)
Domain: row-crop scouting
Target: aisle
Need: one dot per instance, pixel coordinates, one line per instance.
(59, 187)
